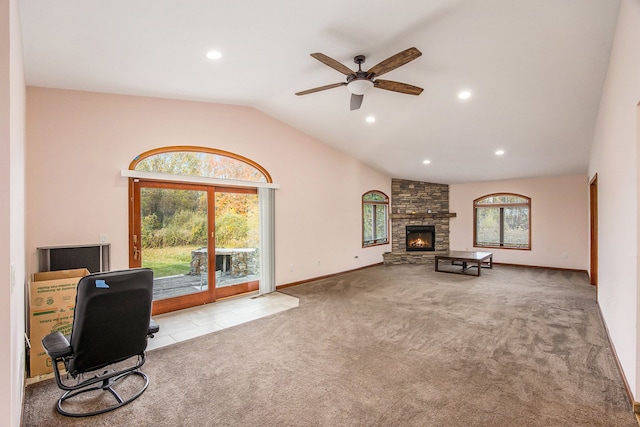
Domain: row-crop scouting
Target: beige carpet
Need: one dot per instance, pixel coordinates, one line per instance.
(390, 346)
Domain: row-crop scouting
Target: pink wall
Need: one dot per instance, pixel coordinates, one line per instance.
(6, 331)
(79, 141)
(12, 208)
(614, 157)
(559, 213)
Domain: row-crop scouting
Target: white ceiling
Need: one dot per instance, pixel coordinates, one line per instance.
(535, 68)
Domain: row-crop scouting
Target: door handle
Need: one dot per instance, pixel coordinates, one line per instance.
(136, 251)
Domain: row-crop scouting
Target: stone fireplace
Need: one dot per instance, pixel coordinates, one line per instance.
(418, 204)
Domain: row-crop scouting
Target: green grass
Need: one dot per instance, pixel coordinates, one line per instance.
(167, 261)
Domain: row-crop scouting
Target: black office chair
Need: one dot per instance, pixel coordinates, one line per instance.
(111, 325)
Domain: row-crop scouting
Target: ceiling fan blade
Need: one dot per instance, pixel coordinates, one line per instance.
(332, 63)
(318, 89)
(397, 87)
(394, 62)
(356, 101)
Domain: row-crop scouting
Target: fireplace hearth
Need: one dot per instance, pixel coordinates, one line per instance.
(421, 237)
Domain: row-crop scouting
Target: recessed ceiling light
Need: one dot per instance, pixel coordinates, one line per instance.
(464, 94)
(426, 162)
(214, 54)
(370, 119)
(499, 152)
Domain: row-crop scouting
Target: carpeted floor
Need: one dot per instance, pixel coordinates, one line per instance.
(390, 346)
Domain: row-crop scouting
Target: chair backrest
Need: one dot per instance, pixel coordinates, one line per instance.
(111, 318)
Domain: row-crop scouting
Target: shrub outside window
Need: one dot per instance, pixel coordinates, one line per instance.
(502, 221)
(375, 218)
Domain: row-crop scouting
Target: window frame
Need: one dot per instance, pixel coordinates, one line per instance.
(135, 183)
(200, 150)
(374, 204)
(477, 204)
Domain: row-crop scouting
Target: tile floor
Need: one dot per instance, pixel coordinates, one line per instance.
(193, 322)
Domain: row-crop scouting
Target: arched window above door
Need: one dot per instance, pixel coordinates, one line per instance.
(200, 161)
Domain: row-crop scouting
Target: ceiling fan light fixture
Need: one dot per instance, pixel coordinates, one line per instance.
(360, 86)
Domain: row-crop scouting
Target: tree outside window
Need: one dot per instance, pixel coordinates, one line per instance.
(375, 218)
(502, 221)
(173, 217)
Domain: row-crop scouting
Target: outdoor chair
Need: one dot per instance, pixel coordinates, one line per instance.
(103, 355)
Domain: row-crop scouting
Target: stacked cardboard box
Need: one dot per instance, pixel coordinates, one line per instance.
(52, 299)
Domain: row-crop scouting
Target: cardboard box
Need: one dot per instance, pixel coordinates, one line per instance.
(52, 299)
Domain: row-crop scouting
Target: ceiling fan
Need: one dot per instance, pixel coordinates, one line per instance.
(360, 82)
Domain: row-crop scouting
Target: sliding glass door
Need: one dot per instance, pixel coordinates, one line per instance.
(200, 241)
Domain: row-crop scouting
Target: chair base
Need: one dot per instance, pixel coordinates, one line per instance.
(107, 386)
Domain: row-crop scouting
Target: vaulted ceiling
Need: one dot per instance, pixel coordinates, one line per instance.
(535, 71)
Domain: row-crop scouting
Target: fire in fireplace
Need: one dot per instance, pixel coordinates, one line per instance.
(421, 237)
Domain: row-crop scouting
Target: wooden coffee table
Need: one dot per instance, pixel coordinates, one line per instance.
(466, 259)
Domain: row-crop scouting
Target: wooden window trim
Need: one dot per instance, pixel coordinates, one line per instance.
(375, 202)
(196, 149)
(476, 205)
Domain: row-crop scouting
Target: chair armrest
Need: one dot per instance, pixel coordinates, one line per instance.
(56, 345)
(153, 327)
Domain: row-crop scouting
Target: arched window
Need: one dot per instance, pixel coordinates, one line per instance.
(375, 218)
(502, 221)
(200, 161)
